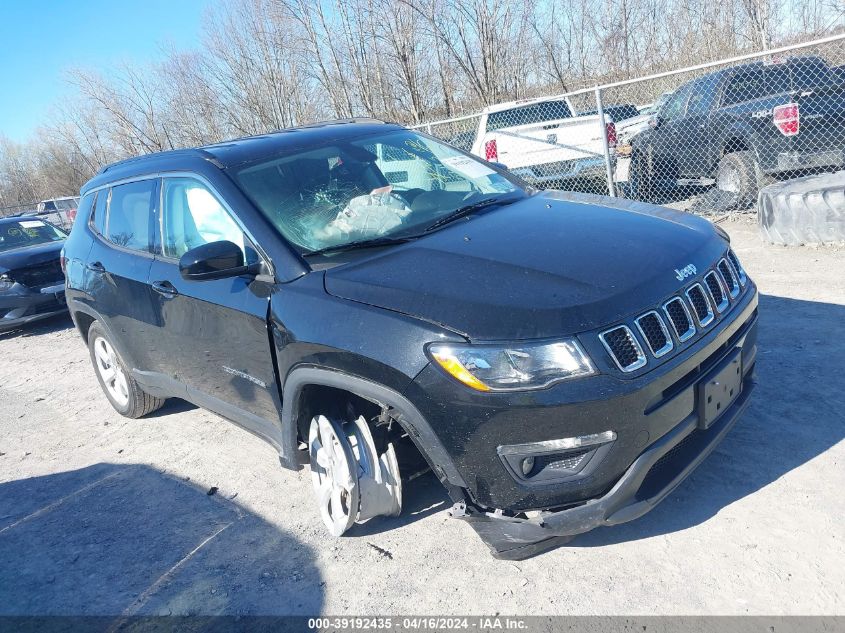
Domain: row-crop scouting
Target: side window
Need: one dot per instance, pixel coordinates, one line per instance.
(193, 216)
(702, 95)
(676, 105)
(98, 214)
(775, 80)
(812, 73)
(129, 220)
(744, 87)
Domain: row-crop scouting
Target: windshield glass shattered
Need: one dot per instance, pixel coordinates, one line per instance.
(384, 186)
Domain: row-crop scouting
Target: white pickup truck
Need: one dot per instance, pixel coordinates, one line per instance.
(541, 141)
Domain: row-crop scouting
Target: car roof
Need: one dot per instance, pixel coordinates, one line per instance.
(8, 219)
(227, 154)
(792, 60)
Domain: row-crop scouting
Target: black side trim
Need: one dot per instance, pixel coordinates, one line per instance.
(163, 386)
(406, 414)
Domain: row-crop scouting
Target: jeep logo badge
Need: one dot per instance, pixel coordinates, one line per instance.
(687, 271)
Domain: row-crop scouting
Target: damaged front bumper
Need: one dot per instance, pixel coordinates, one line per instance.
(651, 478)
(21, 305)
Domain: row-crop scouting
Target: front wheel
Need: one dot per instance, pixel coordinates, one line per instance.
(353, 481)
(639, 179)
(122, 391)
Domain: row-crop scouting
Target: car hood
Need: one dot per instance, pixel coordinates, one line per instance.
(29, 256)
(552, 264)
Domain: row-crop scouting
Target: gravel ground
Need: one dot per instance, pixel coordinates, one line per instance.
(103, 515)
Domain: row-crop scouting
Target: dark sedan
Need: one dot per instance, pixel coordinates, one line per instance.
(32, 284)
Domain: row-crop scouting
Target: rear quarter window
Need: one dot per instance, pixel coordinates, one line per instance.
(813, 74)
(756, 84)
(97, 217)
(86, 207)
(528, 114)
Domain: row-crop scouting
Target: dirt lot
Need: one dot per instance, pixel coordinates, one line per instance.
(103, 515)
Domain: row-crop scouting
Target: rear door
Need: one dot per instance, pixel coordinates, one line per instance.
(118, 265)
(216, 330)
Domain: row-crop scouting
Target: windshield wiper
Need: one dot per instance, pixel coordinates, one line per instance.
(371, 243)
(470, 208)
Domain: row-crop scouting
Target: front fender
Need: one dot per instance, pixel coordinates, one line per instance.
(405, 413)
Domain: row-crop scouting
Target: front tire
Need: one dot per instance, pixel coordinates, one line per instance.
(353, 480)
(122, 391)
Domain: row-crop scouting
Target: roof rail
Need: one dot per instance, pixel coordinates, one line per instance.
(133, 159)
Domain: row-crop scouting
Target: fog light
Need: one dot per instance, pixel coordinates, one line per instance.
(527, 466)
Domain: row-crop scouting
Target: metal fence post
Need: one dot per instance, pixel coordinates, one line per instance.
(611, 187)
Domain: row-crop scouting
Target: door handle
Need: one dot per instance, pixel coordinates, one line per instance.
(165, 288)
(95, 267)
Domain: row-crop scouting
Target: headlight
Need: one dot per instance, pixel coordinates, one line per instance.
(5, 283)
(512, 367)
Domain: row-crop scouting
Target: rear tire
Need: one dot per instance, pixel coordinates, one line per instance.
(739, 174)
(123, 392)
(640, 180)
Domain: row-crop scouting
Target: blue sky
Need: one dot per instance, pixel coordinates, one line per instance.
(40, 39)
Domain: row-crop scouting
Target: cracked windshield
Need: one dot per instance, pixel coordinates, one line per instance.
(382, 187)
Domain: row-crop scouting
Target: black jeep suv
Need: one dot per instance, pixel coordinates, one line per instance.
(381, 304)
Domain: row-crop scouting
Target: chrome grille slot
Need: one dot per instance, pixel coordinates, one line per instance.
(729, 278)
(623, 348)
(740, 271)
(680, 318)
(717, 292)
(654, 332)
(698, 299)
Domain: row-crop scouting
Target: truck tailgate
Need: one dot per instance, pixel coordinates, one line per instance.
(548, 142)
(822, 120)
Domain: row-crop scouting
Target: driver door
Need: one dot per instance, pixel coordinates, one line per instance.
(215, 330)
(668, 138)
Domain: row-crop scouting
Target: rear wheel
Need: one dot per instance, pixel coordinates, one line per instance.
(738, 174)
(122, 391)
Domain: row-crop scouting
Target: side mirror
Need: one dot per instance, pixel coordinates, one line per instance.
(654, 121)
(215, 260)
(501, 166)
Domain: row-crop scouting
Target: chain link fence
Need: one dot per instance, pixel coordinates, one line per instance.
(57, 211)
(16, 209)
(705, 138)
